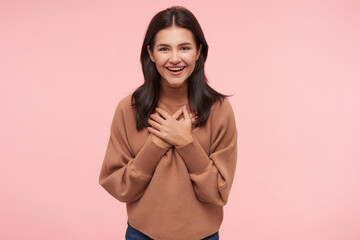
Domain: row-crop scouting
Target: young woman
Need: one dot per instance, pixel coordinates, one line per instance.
(171, 156)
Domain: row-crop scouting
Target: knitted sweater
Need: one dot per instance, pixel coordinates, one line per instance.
(175, 193)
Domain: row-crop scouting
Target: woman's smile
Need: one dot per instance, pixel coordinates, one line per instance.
(175, 70)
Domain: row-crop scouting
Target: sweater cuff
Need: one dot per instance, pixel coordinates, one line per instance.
(194, 156)
(148, 157)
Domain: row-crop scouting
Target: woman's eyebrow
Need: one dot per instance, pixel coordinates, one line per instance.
(185, 43)
(167, 45)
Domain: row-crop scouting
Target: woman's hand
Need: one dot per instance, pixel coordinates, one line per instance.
(158, 141)
(171, 129)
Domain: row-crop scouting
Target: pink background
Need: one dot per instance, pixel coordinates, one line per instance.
(293, 67)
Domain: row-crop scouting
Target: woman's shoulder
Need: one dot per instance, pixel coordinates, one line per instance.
(221, 117)
(124, 112)
(222, 106)
(125, 104)
(221, 113)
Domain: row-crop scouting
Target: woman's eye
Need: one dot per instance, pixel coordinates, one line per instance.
(163, 49)
(185, 48)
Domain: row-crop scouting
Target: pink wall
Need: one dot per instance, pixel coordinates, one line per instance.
(293, 67)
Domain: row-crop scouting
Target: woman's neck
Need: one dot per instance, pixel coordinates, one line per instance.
(174, 95)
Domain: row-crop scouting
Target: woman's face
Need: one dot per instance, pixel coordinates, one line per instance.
(174, 55)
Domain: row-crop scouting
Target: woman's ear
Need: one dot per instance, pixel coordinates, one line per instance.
(150, 54)
(199, 51)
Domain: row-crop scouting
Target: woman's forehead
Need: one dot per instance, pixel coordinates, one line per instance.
(174, 36)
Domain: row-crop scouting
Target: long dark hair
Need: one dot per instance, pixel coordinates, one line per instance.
(201, 95)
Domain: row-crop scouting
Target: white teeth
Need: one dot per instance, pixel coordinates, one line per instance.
(175, 69)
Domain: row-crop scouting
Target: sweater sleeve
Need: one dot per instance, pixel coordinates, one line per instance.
(212, 175)
(122, 174)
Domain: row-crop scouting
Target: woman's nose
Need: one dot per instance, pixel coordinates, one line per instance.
(174, 57)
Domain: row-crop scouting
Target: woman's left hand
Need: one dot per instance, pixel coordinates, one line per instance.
(170, 128)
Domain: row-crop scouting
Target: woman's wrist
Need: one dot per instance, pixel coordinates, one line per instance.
(186, 141)
(158, 141)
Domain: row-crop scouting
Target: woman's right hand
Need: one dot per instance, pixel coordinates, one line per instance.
(161, 142)
(158, 141)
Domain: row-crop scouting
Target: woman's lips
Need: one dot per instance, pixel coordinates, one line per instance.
(175, 70)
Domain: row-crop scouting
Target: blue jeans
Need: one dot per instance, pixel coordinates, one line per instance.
(134, 234)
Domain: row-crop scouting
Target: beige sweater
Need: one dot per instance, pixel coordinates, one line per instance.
(176, 193)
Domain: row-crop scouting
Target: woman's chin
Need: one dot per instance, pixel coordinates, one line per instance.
(175, 84)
